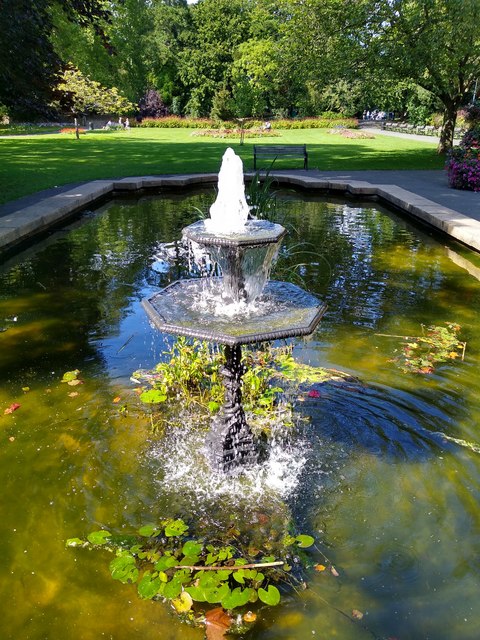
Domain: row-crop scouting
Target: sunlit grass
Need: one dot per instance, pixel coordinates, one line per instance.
(29, 164)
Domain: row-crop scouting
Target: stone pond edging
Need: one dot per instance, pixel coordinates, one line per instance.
(24, 223)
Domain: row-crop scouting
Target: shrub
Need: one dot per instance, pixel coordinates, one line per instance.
(463, 163)
(152, 106)
(472, 114)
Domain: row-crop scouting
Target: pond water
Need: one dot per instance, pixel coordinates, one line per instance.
(386, 475)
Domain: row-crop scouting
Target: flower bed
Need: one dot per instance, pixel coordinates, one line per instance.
(351, 133)
(72, 130)
(282, 123)
(235, 133)
(463, 163)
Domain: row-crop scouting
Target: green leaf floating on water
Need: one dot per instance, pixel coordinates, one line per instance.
(153, 396)
(165, 562)
(124, 568)
(304, 541)
(149, 530)
(192, 548)
(237, 598)
(175, 528)
(149, 585)
(99, 537)
(270, 596)
(75, 542)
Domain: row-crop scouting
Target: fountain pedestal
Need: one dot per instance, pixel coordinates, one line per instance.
(231, 442)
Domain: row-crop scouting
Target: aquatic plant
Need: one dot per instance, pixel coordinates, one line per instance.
(437, 344)
(167, 563)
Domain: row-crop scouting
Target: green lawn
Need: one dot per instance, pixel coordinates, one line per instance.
(29, 164)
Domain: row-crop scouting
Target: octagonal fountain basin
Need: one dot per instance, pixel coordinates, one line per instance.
(192, 308)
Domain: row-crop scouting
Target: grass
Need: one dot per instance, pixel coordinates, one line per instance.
(32, 163)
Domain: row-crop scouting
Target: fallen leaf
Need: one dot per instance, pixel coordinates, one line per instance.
(320, 567)
(183, 603)
(73, 394)
(74, 383)
(249, 616)
(218, 622)
(13, 407)
(334, 572)
(358, 615)
(25, 389)
(116, 399)
(12, 438)
(313, 393)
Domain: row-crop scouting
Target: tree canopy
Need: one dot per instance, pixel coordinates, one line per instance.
(251, 57)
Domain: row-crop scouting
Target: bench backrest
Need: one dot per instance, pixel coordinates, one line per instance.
(278, 148)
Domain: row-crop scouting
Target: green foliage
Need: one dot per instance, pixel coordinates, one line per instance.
(221, 105)
(30, 63)
(87, 96)
(190, 375)
(167, 563)
(261, 197)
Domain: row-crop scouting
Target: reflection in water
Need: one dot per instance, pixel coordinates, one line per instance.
(385, 473)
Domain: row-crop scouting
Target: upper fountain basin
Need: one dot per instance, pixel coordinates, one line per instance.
(254, 233)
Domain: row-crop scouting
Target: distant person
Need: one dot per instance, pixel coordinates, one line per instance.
(127, 123)
(267, 126)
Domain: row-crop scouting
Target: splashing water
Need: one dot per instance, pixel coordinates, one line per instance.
(184, 469)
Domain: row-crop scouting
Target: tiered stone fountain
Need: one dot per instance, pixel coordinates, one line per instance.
(239, 307)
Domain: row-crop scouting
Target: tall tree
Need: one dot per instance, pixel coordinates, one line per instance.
(29, 61)
(435, 43)
(219, 26)
(171, 28)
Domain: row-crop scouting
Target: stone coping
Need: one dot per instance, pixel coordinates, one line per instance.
(24, 223)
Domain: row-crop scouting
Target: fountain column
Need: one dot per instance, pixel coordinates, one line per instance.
(231, 441)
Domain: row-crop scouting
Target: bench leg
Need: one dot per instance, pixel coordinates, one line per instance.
(254, 162)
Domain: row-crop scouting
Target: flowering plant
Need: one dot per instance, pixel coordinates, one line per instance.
(463, 162)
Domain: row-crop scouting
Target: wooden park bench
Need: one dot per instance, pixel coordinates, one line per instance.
(275, 151)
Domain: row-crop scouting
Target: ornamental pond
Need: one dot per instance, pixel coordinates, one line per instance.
(385, 474)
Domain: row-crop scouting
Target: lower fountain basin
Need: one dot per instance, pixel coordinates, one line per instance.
(282, 311)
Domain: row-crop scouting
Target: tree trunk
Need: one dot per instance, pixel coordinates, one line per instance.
(448, 126)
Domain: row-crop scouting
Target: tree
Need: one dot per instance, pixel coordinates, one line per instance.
(29, 61)
(435, 43)
(172, 27)
(218, 27)
(85, 96)
(320, 43)
(126, 62)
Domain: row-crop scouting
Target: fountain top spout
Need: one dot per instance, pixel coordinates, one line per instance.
(229, 212)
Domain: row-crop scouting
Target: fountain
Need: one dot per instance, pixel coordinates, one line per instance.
(238, 307)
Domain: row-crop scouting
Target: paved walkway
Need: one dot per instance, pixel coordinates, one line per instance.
(422, 194)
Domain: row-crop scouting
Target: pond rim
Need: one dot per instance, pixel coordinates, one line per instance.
(49, 209)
